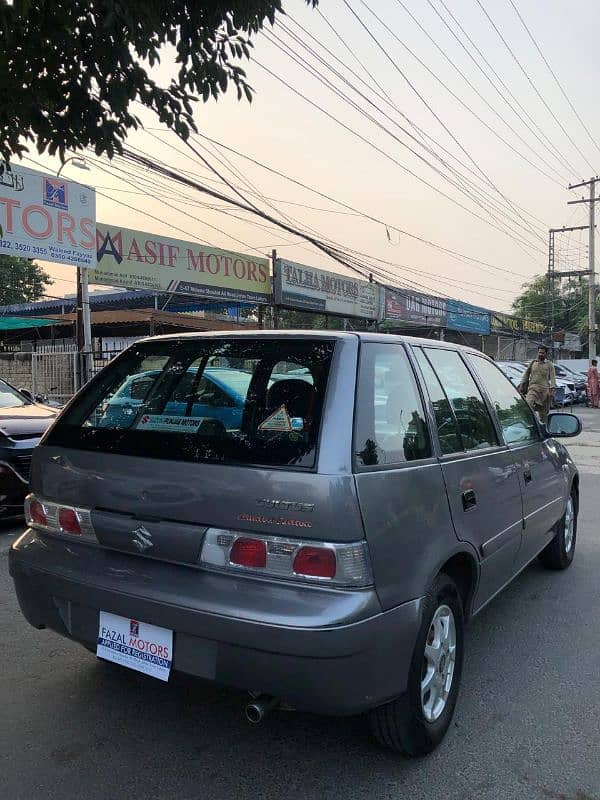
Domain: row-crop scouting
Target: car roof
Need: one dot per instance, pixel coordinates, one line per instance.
(383, 338)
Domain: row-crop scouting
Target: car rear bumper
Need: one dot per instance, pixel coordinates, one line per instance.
(320, 650)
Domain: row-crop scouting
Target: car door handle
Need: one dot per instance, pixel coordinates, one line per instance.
(469, 500)
(527, 476)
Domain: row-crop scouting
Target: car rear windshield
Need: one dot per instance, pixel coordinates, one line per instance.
(250, 401)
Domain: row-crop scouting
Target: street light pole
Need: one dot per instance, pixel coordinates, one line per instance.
(84, 323)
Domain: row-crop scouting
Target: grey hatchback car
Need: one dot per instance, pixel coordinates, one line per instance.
(325, 549)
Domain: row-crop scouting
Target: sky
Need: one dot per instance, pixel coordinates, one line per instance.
(506, 133)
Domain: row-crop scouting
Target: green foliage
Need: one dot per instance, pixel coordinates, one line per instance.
(570, 303)
(70, 71)
(21, 280)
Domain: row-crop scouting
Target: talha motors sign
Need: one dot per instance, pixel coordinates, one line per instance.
(46, 217)
(310, 289)
(140, 260)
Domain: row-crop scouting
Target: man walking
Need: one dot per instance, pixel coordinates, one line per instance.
(539, 384)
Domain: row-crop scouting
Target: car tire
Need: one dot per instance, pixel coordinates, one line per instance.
(559, 553)
(415, 723)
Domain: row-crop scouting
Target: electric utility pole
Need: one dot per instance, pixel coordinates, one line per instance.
(592, 200)
(553, 274)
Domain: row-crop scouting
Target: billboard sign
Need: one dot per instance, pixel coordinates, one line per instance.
(46, 217)
(309, 289)
(572, 342)
(467, 318)
(505, 323)
(139, 260)
(416, 308)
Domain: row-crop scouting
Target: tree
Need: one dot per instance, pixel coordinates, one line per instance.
(570, 303)
(21, 280)
(70, 71)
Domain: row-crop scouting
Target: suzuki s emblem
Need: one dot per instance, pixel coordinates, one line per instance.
(142, 539)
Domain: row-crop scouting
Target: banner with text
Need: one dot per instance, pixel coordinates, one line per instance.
(419, 309)
(309, 289)
(505, 323)
(45, 217)
(139, 260)
(467, 318)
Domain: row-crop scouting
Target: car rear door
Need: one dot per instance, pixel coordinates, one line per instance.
(539, 469)
(479, 471)
(399, 482)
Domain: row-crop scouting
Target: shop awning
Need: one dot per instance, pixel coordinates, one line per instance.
(14, 323)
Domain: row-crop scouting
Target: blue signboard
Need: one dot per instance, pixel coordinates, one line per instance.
(464, 317)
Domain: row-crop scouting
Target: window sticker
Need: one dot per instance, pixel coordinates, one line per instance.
(277, 421)
(156, 422)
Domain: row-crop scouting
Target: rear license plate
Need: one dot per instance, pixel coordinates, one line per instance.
(134, 644)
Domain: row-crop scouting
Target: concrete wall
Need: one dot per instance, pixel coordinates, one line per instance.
(16, 369)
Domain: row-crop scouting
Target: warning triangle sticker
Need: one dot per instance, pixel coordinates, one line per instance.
(277, 421)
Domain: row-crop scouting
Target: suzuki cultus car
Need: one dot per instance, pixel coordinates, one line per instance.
(325, 547)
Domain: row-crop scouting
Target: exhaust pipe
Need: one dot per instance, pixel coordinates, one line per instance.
(258, 709)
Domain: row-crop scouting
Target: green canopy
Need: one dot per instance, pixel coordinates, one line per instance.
(13, 323)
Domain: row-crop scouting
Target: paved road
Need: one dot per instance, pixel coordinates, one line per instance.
(526, 726)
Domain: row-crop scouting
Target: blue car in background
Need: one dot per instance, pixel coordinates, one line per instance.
(220, 394)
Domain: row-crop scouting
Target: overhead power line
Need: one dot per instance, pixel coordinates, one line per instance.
(361, 258)
(436, 77)
(347, 47)
(503, 90)
(433, 146)
(347, 259)
(366, 215)
(387, 155)
(558, 83)
(534, 87)
(364, 261)
(474, 88)
(341, 257)
(158, 191)
(465, 185)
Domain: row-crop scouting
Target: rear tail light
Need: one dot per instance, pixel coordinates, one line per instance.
(332, 564)
(56, 518)
(249, 553)
(318, 562)
(37, 513)
(68, 520)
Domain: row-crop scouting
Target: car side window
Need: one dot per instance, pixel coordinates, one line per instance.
(390, 423)
(447, 425)
(515, 415)
(474, 421)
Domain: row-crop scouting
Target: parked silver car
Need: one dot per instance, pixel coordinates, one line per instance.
(566, 393)
(327, 549)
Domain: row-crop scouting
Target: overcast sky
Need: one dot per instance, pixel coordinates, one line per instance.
(371, 169)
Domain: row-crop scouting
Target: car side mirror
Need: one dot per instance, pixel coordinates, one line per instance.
(27, 394)
(563, 425)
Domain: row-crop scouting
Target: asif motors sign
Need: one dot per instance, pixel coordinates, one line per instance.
(46, 217)
(139, 260)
